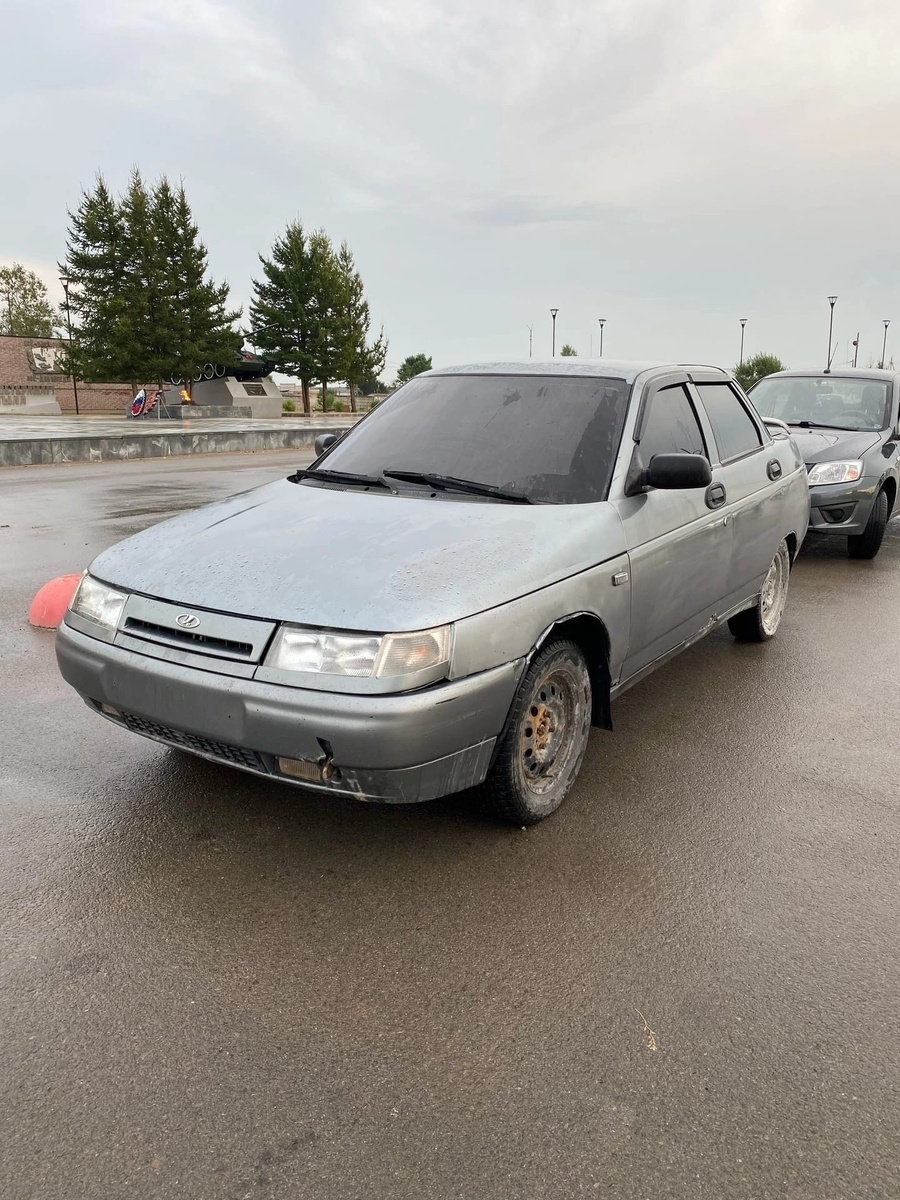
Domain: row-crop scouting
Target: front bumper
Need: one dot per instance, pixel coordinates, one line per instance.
(842, 508)
(399, 748)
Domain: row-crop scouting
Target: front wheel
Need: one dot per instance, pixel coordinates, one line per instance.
(542, 749)
(759, 623)
(868, 543)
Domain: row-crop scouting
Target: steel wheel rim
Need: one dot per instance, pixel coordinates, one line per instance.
(774, 591)
(554, 728)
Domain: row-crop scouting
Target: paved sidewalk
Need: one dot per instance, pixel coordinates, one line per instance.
(32, 441)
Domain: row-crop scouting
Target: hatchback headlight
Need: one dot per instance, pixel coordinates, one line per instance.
(835, 472)
(362, 656)
(98, 603)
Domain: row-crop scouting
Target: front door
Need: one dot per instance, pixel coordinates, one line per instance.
(679, 542)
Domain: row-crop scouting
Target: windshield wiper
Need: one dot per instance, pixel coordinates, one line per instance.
(345, 477)
(447, 483)
(822, 425)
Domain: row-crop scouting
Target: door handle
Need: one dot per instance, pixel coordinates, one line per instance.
(715, 495)
(774, 469)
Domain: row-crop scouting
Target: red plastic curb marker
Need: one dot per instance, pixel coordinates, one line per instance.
(49, 606)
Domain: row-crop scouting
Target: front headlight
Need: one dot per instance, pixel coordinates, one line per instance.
(362, 656)
(835, 472)
(98, 603)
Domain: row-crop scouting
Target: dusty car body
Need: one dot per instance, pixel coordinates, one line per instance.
(846, 425)
(391, 626)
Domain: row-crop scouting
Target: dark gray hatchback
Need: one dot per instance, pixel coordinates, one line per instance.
(845, 424)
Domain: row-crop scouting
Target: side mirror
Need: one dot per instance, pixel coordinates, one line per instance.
(673, 472)
(323, 441)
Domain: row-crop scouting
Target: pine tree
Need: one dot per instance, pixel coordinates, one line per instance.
(356, 360)
(324, 310)
(143, 307)
(141, 344)
(285, 309)
(95, 269)
(192, 316)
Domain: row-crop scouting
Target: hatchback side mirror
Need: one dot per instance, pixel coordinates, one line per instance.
(323, 441)
(672, 472)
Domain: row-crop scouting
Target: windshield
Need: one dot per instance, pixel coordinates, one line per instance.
(551, 438)
(824, 400)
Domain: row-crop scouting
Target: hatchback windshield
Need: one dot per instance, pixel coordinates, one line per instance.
(550, 438)
(824, 400)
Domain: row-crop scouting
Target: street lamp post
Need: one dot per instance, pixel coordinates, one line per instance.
(64, 280)
(553, 312)
(602, 322)
(856, 348)
(743, 321)
(884, 346)
(832, 300)
(530, 329)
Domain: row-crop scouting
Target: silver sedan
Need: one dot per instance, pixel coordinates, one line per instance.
(455, 592)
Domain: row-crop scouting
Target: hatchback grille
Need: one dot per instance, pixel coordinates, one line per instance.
(236, 755)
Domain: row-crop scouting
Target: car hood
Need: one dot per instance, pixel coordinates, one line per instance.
(357, 560)
(831, 445)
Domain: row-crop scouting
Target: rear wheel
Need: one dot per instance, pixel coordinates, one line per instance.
(546, 737)
(868, 543)
(759, 623)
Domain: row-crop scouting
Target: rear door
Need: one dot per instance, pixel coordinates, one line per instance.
(753, 477)
(679, 542)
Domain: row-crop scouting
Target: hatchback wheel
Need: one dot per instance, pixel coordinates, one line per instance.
(868, 543)
(546, 737)
(759, 623)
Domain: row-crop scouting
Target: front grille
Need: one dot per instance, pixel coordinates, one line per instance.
(236, 755)
(182, 637)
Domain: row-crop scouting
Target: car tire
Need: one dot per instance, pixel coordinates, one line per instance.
(760, 623)
(868, 543)
(542, 749)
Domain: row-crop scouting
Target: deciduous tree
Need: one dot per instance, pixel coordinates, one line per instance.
(411, 366)
(753, 369)
(25, 310)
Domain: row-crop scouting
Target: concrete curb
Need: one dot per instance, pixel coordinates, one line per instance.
(30, 452)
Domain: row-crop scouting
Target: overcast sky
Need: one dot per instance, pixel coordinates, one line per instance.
(670, 165)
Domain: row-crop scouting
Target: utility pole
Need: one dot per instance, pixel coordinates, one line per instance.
(65, 282)
(530, 329)
(832, 300)
(855, 348)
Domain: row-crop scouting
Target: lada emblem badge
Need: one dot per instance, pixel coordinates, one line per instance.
(187, 620)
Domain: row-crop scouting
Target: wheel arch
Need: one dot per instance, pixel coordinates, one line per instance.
(590, 634)
(890, 486)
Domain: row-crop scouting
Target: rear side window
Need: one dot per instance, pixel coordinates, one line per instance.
(735, 431)
(670, 426)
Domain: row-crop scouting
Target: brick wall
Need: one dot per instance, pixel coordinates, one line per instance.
(16, 367)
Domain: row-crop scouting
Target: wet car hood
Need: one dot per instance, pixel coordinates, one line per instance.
(831, 445)
(355, 560)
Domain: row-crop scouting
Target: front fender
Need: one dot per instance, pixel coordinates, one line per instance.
(512, 630)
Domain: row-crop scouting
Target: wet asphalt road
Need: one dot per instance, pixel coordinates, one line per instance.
(216, 988)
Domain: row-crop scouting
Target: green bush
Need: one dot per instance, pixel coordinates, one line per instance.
(288, 406)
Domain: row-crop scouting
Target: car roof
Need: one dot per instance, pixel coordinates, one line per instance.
(875, 374)
(598, 368)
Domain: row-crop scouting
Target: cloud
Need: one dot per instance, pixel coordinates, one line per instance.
(482, 155)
